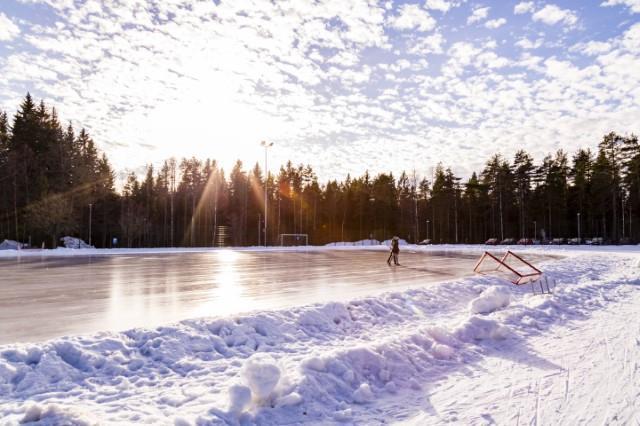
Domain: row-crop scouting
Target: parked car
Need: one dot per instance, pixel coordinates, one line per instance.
(425, 242)
(525, 241)
(558, 241)
(574, 241)
(625, 241)
(508, 241)
(597, 241)
(491, 242)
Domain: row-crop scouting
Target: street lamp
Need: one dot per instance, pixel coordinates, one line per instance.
(579, 240)
(266, 146)
(427, 229)
(90, 212)
(371, 201)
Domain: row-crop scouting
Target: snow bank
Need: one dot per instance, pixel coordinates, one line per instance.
(353, 243)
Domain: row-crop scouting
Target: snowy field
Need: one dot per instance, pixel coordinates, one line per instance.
(473, 350)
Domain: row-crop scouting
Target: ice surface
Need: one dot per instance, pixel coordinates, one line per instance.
(85, 294)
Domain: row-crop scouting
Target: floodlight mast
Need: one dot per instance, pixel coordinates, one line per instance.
(266, 146)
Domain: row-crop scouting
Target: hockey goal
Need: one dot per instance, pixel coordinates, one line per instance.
(294, 239)
(510, 267)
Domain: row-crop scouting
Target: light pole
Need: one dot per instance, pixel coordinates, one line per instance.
(535, 229)
(266, 146)
(371, 234)
(579, 240)
(427, 229)
(90, 212)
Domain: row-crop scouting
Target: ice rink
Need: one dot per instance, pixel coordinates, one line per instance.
(47, 297)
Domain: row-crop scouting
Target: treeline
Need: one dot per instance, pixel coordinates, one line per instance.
(49, 176)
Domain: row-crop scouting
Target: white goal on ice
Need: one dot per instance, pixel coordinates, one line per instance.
(294, 239)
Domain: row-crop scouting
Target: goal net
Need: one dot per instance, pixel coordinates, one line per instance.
(294, 239)
(510, 267)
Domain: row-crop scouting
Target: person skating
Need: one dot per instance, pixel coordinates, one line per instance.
(395, 251)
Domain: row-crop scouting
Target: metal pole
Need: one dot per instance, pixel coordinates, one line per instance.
(215, 209)
(622, 208)
(427, 229)
(579, 240)
(266, 201)
(535, 229)
(90, 213)
(266, 182)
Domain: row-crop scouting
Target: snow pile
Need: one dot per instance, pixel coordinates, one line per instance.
(11, 245)
(75, 243)
(261, 375)
(478, 328)
(353, 243)
(400, 242)
(490, 300)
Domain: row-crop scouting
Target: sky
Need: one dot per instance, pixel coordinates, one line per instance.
(345, 86)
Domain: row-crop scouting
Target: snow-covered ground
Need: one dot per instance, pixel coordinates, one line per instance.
(471, 351)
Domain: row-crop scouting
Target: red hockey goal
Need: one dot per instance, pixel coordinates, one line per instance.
(510, 267)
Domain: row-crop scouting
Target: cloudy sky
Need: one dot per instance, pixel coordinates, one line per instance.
(343, 85)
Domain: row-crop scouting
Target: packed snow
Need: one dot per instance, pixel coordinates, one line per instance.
(75, 243)
(472, 351)
(11, 245)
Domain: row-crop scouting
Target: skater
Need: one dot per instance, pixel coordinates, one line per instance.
(395, 250)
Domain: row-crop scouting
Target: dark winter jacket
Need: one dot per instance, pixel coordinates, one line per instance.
(395, 246)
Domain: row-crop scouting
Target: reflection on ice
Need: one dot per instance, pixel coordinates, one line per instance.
(226, 293)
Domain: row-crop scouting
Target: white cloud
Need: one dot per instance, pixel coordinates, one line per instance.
(634, 5)
(8, 30)
(478, 14)
(592, 48)
(523, 7)
(495, 23)
(345, 58)
(441, 5)
(430, 44)
(412, 17)
(552, 14)
(526, 44)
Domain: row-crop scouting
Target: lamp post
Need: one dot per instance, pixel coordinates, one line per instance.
(427, 229)
(535, 229)
(266, 146)
(371, 201)
(579, 240)
(90, 213)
